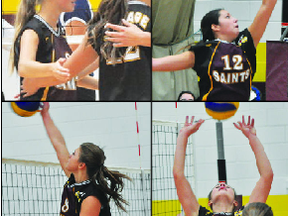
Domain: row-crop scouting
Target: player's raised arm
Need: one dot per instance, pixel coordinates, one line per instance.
(257, 28)
(56, 138)
(175, 62)
(263, 186)
(185, 194)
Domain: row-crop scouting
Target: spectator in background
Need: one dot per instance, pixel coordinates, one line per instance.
(186, 96)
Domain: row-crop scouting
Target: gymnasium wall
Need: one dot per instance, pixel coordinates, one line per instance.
(112, 126)
(271, 122)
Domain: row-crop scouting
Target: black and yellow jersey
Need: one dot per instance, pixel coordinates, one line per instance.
(129, 79)
(52, 46)
(225, 69)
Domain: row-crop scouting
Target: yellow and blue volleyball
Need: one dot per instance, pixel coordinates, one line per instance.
(25, 109)
(221, 110)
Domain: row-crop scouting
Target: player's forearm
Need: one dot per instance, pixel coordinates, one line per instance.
(34, 69)
(179, 160)
(145, 39)
(262, 161)
(88, 82)
(53, 132)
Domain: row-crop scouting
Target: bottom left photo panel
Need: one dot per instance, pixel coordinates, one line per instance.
(67, 158)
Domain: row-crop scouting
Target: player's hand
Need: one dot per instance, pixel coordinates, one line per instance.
(45, 108)
(191, 127)
(28, 87)
(247, 129)
(124, 36)
(59, 72)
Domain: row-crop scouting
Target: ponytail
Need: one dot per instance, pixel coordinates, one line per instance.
(112, 11)
(26, 11)
(110, 182)
(115, 186)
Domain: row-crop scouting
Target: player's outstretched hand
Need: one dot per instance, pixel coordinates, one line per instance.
(191, 127)
(59, 72)
(247, 129)
(45, 108)
(124, 36)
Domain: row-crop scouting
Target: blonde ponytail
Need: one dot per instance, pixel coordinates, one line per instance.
(26, 11)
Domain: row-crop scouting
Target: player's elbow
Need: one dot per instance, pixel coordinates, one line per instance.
(177, 174)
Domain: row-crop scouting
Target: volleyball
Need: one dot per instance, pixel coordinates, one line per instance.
(25, 109)
(221, 110)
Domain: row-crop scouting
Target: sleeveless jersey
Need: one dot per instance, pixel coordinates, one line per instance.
(52, 45)
(74, 194)
(205, 212)
(130, 78)
(225, 69)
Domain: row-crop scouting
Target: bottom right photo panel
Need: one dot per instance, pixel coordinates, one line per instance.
(219, 158)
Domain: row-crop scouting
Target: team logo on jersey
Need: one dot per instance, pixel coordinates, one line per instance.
(79, 195)
(242, 40)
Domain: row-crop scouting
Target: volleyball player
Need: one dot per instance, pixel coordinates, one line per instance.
(38, 43)
(257, 209)
(124, 74)
(222, 197)
(225, 60)
(91, 185)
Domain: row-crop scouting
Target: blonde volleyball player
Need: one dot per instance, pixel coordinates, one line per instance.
(222, 197)
(91, 185)
(124, 73)
(225, 60)
(40, 48)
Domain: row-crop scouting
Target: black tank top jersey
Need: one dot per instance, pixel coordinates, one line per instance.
(205, 212)
(225, 69)
(130, 79)
(74, 194)
(52, 46)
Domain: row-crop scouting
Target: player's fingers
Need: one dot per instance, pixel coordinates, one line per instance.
(192, 119)
(249, 118)
(252, 123)
(114, 34)
(237, 126)
(119, 45)
(187, 119)
(115, 27)
(126, 23)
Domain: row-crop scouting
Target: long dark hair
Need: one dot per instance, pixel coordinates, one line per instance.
(209, 19)
(257, 209)
(111, 182)
(112, 11)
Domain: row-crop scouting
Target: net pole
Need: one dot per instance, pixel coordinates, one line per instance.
(221, 157)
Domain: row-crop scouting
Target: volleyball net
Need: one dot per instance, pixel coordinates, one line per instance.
(164, 194)
(35, 188)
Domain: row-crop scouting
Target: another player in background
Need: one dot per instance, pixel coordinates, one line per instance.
(75, 23)
(91, 185)
(222, 198)
(225, 60)
(125, 73)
